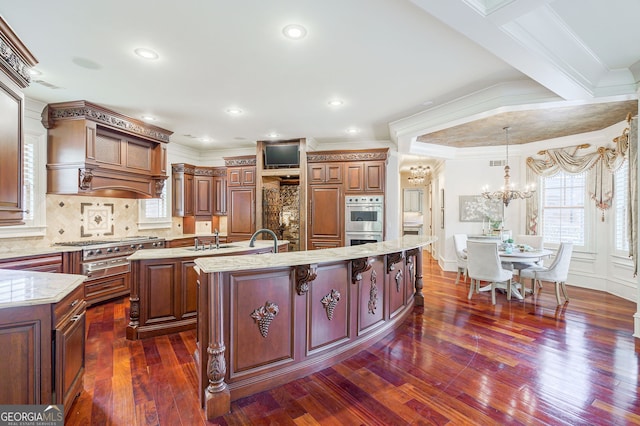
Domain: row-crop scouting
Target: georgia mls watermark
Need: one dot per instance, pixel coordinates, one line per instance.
(31, 415)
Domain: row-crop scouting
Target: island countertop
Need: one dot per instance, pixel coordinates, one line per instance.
(270, 260)
(25, 288)
(225, 249)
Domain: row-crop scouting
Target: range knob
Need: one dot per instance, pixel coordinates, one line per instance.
(98, 251)
(90, 253)
(109, 250)
(140, 246)
(133, 246)
(156, 244)
(117, 249)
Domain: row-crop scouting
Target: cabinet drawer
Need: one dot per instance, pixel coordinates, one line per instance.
(68, 306)
(105, 288)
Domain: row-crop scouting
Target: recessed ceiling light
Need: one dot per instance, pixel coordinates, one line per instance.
(206, 139)
(336, 102)
(234, 111)
(148, 118)
(146, 53)
(294, 32)
(34, 72)
(352, 130)
(273, 135)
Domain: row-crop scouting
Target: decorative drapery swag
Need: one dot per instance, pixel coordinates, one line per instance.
(600, 166)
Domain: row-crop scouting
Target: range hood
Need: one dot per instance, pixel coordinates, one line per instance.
(94, 151)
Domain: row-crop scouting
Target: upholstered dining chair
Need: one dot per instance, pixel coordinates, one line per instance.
(483, 264)
(460, 245)
(557, 272)
(534, 241)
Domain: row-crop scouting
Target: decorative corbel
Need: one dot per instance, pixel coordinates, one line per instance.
(304, 275)
(392, 259)
(85, 177)
(159, 186)
(358, 266)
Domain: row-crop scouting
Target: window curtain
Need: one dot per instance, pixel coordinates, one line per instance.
(633, 192)
(599, 166)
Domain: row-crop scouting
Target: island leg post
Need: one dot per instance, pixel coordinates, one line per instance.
(217, 395)
(419, 298)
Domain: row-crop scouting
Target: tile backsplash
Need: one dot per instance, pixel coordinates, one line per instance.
(74, 218)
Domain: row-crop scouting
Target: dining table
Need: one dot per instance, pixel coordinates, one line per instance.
(519, 259)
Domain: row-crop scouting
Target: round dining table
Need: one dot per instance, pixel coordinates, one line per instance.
(519, 260)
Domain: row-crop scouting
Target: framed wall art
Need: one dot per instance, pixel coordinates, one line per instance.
(476, 208)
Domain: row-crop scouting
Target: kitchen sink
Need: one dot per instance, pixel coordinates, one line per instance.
(205, 247)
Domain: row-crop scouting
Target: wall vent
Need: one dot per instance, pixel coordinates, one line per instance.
(46, 84)
(497, 163)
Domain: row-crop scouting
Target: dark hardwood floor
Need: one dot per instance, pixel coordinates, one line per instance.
(452, 362)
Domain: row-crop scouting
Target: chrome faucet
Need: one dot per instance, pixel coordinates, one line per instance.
(195, 241)
(216, 234)
(268, 231)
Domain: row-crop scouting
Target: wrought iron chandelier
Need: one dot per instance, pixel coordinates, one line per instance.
(419, 174)
(507, 192)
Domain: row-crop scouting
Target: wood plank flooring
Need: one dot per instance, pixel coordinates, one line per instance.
(452, 362)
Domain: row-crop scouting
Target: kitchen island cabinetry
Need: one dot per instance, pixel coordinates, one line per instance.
(165, 286)
(57, 262)
(42, 329)
(274, 318)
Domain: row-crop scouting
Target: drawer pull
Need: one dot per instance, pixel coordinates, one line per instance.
(77, 317)
(75, 302)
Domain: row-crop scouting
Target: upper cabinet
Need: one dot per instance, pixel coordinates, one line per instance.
(15, 62)
(94, 151)
(241, 197)
(198, 191)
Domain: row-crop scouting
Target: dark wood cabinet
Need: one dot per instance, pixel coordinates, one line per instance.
(182, 190)
(319, 173)
(69, 355)
(43, 351)
(15, 63)
(204, 196)
(53, 262)
(241, 215)
(220, 199)
(241, 198)
(365, 177)
(326, 216)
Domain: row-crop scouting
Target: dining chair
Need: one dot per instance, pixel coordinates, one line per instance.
(534, 241)
(483, 264)
(557, 272)
(460, 245)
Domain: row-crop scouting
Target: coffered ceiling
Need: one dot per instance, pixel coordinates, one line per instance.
(405, 70)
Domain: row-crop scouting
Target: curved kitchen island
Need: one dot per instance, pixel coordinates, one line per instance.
(266, 320)
(164, 285)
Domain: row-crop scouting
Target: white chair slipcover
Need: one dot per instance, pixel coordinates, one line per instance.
(483, 264)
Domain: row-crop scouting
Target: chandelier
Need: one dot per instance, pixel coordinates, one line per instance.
(418, 174)
(507, 192)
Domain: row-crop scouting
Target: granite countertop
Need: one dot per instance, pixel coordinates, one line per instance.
(26, 288)
(23, 251)
(225, 248)
(182, 236)
(272, 260)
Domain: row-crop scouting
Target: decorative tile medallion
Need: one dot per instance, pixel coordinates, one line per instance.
(97, 219)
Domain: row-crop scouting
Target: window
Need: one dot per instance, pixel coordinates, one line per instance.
(33, 191)
(563, 208)
(621, 200)
(154, 212)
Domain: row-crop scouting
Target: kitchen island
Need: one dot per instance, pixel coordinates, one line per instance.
(42, 329)
(164, 285)
(266, 320)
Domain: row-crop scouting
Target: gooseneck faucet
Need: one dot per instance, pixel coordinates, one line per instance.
(216, 234)
(268, 231)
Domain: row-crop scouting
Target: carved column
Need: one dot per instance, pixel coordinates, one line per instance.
(419, 297)
(217, 395)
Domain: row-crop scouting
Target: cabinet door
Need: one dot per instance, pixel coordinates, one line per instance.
(248, 176)
(355, 179)
(182, 197)
(69, 361)
(11, 159)
(315, 173)
(203, 195)
(333, 173)
(326, 212)
(189, 290)
(220, 196)
(374, 176)
(241, 222)
(234, 176)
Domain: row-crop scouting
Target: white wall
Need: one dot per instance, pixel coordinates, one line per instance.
(595, 267)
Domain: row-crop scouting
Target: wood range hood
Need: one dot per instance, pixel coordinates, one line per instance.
(94, 151)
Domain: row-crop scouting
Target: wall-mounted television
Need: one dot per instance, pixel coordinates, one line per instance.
(285, 155)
